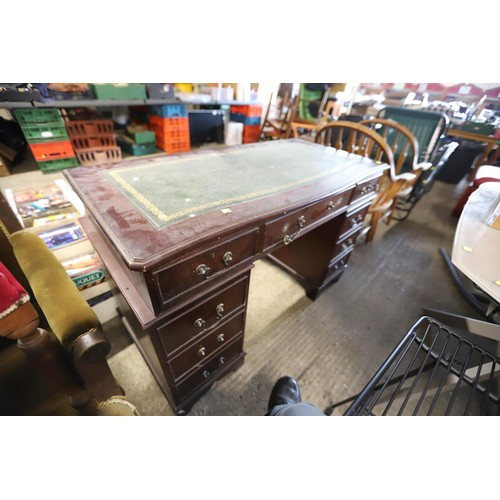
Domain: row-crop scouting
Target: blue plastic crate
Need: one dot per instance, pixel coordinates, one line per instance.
(247, 120)
(169, 110)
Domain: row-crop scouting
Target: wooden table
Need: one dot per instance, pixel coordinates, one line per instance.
(489, 140)
(179, 236)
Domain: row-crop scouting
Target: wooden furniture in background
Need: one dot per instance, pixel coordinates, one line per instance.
(359, 139)
(491, 143)
(184, 275)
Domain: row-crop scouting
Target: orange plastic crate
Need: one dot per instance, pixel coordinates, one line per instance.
(176, 147)
(251, 133)
(171, 136)
(47, 151)
(159, 123)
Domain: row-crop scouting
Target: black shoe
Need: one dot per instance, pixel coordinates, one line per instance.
(285, 391)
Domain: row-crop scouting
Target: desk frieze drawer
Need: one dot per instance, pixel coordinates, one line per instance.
(206, 346)
(195, 320)
(365, 188)
(286, 228)
(204, 267)
(209, 370)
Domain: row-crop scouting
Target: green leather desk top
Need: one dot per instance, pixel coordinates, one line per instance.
(175, 189)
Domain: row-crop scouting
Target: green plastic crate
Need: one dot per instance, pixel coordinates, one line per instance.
(118, 91)
(141, 136)
(45, 132)
(55, 165)
(137, 149)
(38, 115)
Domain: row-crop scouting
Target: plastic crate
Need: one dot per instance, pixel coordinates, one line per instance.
(58, 150)
(98, 156)
(140, 135)
(251, 133)
(137, 149)
(174, 135)
(247, 120)
(45, 132)
(169, 110)
(174, 147)
(79, 128)
(247, 110)
(56, 165)
(33, 116)
(93, 142)
(118, 91)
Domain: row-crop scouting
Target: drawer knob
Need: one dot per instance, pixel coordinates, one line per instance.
(201, 352)
(202, 270)
(200, 323)
(219, 310)
(331, 205)
(227, 258)
(301, 222)
(220, 338)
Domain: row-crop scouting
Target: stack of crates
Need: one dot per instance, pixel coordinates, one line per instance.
(250, 116)
(170, 124)
(94, 141)
(137, 141)
(47, 138)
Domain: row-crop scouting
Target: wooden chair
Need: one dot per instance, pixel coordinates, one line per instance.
(404, 147)
(330, 112)
(279, 128)
(359, 139)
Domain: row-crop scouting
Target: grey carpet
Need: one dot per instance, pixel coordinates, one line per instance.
(335, 344)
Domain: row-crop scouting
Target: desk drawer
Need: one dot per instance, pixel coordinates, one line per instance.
(204, 267)
(365, 188)
(353, 220)
(290, 226)
(199, 318)
(206, 346)
(345, 243)
(209, 370)
(338, 265)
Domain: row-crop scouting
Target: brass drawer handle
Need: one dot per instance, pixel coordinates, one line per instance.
(347, 244)
(206, 374)
(221, 360)
(301, 222)
(203, 270)
(227, 258)
(331, 205)
(356, 220)
(201, 323)
(367, 189)
(220, 338)
(201, 352)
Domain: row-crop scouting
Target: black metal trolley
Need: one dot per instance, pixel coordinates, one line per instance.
(433, 371)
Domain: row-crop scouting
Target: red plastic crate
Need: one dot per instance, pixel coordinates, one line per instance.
(251, 133)
(247, 110)
(94, 142)
(92, 128)
(97, 156)
(58, 150)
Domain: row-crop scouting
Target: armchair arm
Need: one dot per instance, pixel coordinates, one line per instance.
(71, 319)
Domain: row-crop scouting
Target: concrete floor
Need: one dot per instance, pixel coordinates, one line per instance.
(332, 345)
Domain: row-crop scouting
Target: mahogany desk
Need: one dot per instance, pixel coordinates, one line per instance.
(179, 236)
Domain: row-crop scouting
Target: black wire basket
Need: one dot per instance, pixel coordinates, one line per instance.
(433, 371)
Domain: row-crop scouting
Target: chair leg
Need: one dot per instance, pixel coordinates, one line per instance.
(373, 226)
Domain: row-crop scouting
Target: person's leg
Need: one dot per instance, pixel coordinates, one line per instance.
(302, 409)
(285, 400)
